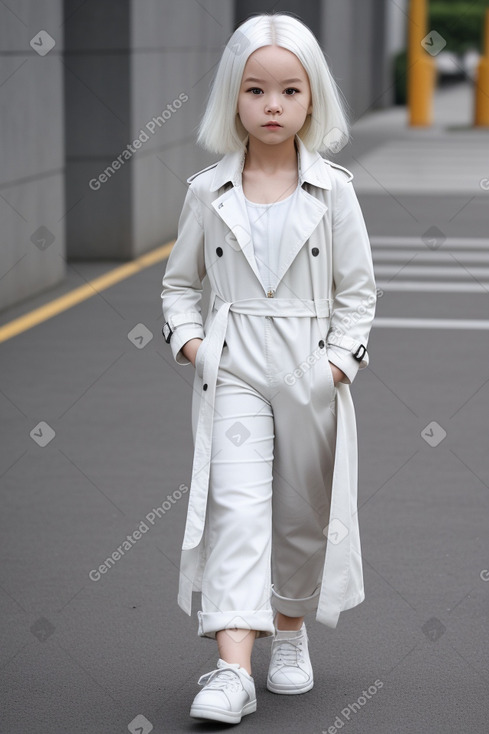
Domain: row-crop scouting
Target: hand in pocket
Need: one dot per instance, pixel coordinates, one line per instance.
(191, 348)
(338, 374)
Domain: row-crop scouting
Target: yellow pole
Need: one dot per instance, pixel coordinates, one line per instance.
(482, 82)
(417, 26)
(421, 68)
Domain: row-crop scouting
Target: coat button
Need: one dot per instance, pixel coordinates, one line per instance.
(321, 344)
(219, 251)
(204, 386)
(315, 251)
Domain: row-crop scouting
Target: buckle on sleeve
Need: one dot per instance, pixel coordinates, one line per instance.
(167, 332)
(360, 353)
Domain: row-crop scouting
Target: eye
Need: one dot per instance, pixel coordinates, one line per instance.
(254, 90)
(290, 91)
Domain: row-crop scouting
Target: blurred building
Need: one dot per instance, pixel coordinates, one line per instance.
(99, 106)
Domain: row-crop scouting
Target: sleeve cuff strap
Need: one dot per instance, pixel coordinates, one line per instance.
(357, 349)
(189, 317)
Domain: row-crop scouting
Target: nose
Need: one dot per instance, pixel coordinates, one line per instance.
(273, 105)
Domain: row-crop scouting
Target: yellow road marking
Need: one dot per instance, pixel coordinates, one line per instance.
(77, 295)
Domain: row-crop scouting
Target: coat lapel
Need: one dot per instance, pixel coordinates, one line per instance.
(303, 218)
(231, 208)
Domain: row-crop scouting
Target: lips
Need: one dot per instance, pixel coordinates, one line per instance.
(272, 124)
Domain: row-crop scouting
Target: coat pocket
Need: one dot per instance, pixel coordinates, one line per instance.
(329, 372)
(200, 357)
(323, 328)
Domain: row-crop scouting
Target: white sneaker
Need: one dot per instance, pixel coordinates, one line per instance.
(228, 694)
(290, 668)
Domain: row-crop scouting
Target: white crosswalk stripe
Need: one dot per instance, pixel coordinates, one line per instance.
(410, 264)
(435, 324)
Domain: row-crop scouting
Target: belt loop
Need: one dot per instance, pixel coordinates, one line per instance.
(323, 307)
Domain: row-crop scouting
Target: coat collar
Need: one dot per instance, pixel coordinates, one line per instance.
(312, 168)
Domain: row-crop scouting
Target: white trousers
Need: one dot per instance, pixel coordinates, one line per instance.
(270, 486)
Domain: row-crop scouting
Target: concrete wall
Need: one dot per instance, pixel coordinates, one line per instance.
(32, 248)
(396, 22)
(97, 122)
(173, 60)
(353, 38)
(130, 62)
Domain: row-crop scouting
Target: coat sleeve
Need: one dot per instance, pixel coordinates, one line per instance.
(182, 282)
(354, 285)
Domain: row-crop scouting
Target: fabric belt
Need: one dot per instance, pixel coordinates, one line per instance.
(320, 307)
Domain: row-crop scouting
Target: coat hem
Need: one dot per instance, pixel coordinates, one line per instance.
(330, 616)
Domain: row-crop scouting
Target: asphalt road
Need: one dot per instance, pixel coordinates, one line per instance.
(87, 652)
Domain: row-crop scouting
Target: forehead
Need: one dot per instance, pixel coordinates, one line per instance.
(272, 63)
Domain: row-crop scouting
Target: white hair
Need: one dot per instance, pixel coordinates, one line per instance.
(221, 130)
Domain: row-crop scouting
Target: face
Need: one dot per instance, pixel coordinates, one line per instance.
(275, 96)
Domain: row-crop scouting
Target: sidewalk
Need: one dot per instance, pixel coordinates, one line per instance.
(446, 158)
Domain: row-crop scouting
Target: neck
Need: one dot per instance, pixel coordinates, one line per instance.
(271, 158)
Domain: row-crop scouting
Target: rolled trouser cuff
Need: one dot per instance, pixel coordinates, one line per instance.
(212, 622)
(295, 607)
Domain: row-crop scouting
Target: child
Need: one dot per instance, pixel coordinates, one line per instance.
(271, 531)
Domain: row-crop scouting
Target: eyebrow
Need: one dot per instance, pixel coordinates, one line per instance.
(261, 81)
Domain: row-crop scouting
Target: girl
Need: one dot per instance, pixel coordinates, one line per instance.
(271, 531)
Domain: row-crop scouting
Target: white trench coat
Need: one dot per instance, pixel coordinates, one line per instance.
(326, 265)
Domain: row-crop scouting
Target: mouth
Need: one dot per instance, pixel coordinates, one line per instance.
(272, 124)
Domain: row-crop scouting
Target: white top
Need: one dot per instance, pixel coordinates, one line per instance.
(267, 223)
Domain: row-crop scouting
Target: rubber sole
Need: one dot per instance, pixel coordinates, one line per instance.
(215, 714)
(289, 692)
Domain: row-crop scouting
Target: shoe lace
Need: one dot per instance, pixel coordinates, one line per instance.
(219, 679)
(289, 653)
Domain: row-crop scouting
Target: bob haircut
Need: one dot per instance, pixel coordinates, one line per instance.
(221, 130)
